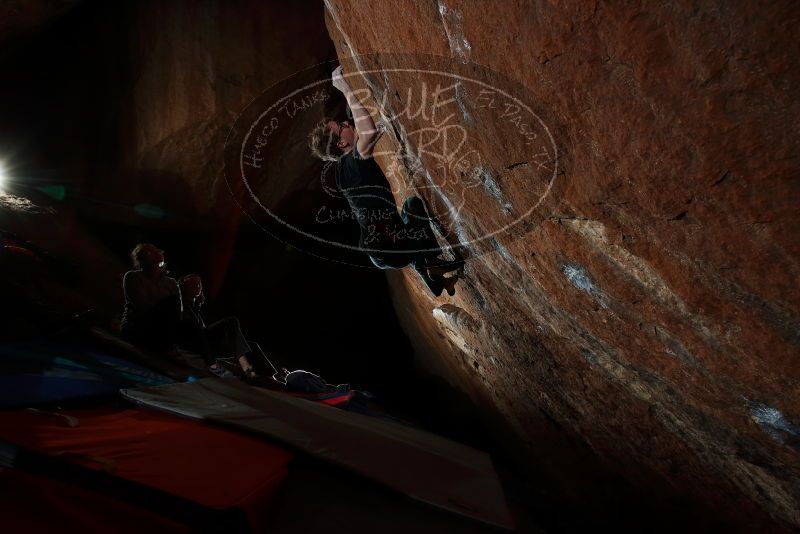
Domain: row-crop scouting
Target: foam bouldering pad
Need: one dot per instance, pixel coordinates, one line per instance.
(213, 467)
(419, 464)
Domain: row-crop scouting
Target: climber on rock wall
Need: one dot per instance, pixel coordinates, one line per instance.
(392, 240)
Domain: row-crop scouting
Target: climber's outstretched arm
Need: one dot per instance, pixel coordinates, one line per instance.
(367, 133)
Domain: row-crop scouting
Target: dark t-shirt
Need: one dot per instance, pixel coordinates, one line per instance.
(366, 189)
(143, 294)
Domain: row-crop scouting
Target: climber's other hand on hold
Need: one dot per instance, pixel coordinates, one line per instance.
(337, 78)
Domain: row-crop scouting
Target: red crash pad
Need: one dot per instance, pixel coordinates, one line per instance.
(213, 467)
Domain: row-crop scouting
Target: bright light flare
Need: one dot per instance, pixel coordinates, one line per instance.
(2, 177)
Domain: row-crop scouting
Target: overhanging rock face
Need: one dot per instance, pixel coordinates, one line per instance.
(647, 303)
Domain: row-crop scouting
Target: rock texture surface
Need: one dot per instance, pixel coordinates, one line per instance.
(116, 136)
(145, 94)
(649, 306)
(195, 68)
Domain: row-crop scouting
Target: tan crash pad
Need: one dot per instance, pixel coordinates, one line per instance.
(422, 465)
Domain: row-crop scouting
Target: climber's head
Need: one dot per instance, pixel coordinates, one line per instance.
(330, 139)
(191, 286)
(147, 257)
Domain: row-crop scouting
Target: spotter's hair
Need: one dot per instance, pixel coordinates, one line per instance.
(322, 141)
(138, 255)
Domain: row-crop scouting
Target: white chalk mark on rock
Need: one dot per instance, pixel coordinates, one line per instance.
(460, 48)
(461, 100)
(456, 323)
(451, 20)
(493, 188)
(506, 255)
(578, 277)
(455, 221)
(594, 232)
(773, 422)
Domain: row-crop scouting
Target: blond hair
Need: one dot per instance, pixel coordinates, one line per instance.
(322, 141)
